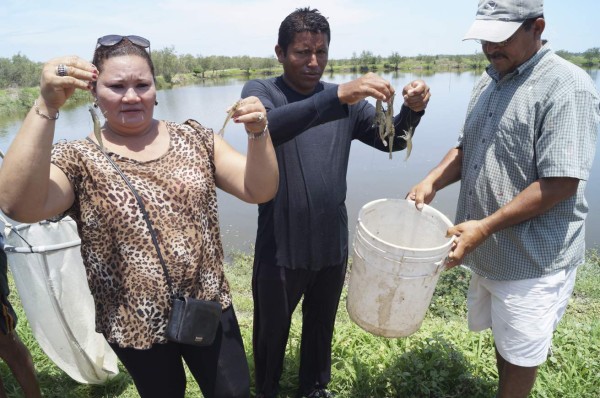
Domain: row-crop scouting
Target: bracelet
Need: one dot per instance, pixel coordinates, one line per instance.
(256, 136)
(37, 112)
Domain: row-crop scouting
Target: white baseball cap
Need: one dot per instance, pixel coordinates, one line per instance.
(497, 20)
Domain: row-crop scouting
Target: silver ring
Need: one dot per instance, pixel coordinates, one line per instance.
(260, 117)
(61, 70)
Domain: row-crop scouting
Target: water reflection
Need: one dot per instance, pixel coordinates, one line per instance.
(371, 175)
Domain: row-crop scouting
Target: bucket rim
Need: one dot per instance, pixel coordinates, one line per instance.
(426, 208)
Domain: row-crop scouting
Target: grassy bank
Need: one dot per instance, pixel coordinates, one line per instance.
(442, 359)
(16, 102)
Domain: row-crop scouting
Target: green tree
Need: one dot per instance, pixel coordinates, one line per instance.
(427, 61)
(19, 71)
(245, 64)
(564, 54)
(268, 63)
(165, 63)
(331, 63)
(187, 63)
(591, 56)
(221, 62)
(198, 71)
(478, 60)
(206, 64)
(366, 60)
(458, 61)
(5, 66)
(395, 59)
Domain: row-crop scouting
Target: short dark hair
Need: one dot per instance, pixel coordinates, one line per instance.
(302, 20)
(124, 47)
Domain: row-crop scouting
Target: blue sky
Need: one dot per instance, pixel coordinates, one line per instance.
(41, 30)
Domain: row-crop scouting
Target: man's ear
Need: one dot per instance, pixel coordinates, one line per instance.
(280, 53)
(539, 25)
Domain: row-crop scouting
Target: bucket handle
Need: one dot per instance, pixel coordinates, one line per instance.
(441, 265)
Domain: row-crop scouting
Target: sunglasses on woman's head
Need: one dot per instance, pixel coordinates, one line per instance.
(111, 40)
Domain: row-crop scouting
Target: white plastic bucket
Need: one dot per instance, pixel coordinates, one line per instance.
(399, 253)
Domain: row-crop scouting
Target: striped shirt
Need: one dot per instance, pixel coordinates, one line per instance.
(537, 122)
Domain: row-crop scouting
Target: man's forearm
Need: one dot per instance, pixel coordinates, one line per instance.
(536, 199)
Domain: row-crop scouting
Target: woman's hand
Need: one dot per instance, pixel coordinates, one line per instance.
(253, 178)
(60, 77)
(252, 113)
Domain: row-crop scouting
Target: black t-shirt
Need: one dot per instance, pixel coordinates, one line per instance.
(306, 225)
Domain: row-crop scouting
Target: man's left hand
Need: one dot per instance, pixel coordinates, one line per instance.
(468, 236)
(416, 95)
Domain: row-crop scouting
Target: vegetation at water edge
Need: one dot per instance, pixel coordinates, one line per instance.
(19, 76)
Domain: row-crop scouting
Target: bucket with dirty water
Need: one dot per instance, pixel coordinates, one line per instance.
(399, 253)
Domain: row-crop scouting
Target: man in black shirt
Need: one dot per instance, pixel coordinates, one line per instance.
(302, 239)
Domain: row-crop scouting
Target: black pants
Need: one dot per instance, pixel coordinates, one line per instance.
(276, 292)
(220, 369)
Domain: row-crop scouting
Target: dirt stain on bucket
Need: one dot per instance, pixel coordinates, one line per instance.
(385, 303)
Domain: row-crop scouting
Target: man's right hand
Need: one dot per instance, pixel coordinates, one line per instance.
(369, 85)
(447, 172)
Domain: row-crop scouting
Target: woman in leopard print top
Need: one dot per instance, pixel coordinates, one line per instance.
(175, 168)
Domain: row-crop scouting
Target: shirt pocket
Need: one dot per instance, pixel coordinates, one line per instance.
(514, 152)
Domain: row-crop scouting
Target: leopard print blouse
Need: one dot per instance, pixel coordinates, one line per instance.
(123, 271)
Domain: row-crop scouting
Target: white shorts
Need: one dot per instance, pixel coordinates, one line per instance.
(523, 314)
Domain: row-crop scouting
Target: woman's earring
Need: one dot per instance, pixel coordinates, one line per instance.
(95, 102)
(155, 102)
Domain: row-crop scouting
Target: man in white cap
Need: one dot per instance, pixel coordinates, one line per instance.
(523, 157)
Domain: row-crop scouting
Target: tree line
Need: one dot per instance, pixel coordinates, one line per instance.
(20, 72)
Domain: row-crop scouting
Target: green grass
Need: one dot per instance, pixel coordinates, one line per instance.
(443, 359)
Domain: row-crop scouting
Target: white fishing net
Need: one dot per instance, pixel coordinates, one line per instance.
(48, 271)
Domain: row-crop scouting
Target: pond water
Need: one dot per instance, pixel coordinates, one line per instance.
(371, 174)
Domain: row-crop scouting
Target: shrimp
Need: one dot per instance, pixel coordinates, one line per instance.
(384, 119)
(408, 138)
(97, 128)
(232, 109)
(380, 121)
